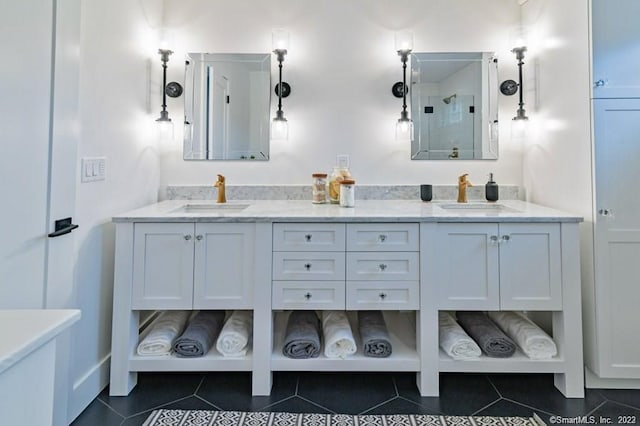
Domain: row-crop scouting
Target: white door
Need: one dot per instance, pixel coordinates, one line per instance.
(530, 266)
(163, 266)
(617, 236)
(467, 275)
(224, 266)
(616, 49)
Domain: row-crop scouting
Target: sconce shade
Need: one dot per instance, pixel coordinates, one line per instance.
(404, 128)
(280, 40)
(404, 42)
(279, 127)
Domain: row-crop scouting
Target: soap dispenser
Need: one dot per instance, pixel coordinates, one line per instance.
(491, 189)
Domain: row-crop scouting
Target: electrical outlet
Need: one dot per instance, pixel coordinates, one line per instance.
(93, 169)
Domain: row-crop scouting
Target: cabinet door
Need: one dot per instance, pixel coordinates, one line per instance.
(530, 268)
(617, 239)
(616, 51)
(224, 266)
(467, 274)
(162, 266)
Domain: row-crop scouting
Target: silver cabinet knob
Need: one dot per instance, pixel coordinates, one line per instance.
(307, 266)
(605, 212)
(383, 296)
(199, 237)
(308, 296)
(187, 237)
(307, 237)
(382, 266)
(506, 238)
(599, 83)
(493, 239)
(382, 238)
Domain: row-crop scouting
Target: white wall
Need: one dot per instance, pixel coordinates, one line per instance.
(115, 123)
(557, 156)
(341, 66)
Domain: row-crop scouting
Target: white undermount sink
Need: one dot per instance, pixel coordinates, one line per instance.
(210, 208)
(478, 207)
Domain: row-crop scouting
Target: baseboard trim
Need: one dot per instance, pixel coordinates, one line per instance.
(591, 381)
(88, 387)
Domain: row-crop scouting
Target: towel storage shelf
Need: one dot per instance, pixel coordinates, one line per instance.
(409, 267)
(403, 340)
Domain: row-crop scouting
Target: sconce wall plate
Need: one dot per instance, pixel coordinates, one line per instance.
(509, 87)
(399, 89)
(286, 89)
(173, 89)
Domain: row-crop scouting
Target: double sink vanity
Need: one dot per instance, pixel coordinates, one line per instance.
(408, 258)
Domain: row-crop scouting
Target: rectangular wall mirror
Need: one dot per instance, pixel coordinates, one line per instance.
(227, 101)
(453, 98)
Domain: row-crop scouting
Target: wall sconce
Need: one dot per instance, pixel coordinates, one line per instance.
(173, 89)
(279, 125)
(510, 87)
(404, 125)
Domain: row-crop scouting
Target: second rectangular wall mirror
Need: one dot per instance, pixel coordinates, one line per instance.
(227, 100)
(454, 106)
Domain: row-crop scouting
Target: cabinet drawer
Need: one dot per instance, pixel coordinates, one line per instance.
(308, 237)
(402, 295)
(324, 266)
(308, 295)
(383, 266)
(383, 237)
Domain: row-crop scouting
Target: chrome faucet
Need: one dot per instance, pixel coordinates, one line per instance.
(222, 197)
(463, 184)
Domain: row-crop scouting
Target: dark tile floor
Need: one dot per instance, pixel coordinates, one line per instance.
(358, 393)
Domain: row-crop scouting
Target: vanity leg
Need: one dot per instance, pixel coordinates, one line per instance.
(262, 315)
(428, 378)
(567, 325)
(124, 331)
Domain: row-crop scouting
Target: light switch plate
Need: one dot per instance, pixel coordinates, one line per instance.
(93, 169)
(342, 161)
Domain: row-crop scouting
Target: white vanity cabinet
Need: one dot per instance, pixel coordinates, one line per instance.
(193, 266)
(506, 266)
(186, 266)
(514, 266)
(401, 257)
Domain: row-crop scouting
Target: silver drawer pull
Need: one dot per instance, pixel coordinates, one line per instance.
(383, 295)
(382, 266)
(382, 238)
(506, 238)
(308, 296)
(187, 237)
(307, 237)
(307, 266)
(199, 237)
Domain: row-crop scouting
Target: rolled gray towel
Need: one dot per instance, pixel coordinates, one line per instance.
(302, 336)
(493, 342)
(374, 334)
(200, 334)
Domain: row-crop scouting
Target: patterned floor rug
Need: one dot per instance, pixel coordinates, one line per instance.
(239, 418)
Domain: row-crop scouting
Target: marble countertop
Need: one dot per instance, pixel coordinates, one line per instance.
(24, 330)
(364, 211)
